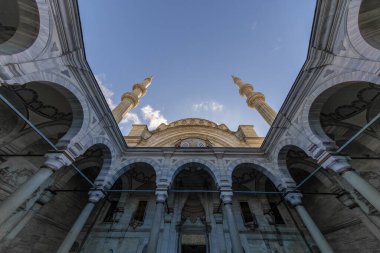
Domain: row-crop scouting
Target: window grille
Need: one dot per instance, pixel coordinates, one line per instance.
(138, 216)
(249, 218)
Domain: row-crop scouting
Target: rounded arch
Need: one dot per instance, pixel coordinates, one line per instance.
(277, 180)
(65, 174)
(322, 176)
(96, 140)
(73, 95)
(283, 146)
(91, 158)
(20, 25)
(204, 164)
(218, 141)
(11, 124)
(369, 22)
(314, 103)
(282, 155)
(292, 156)
(29, 23)
(126, 165)
(361, 28)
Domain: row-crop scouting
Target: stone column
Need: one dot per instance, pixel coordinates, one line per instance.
(255, 100)
(295, 200)
(10, 204)
(130, 100)
(226, 197)
(161, 196)
(72, 235)
(54, 162)
(341, 165)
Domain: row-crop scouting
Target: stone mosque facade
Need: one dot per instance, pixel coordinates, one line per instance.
(71, 182)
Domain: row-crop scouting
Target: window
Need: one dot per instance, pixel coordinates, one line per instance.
(138, 216)
(193, 143)
(110, 216)
(276, 213)
(248, 217)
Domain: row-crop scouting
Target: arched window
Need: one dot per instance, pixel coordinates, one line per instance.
(193, 143)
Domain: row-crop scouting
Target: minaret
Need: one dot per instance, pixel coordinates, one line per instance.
(255, 100)
(130, 100)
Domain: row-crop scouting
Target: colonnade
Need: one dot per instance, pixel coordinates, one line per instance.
(338, 164)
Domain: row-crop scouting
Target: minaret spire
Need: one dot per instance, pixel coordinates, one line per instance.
(130, 100)
(255, 100)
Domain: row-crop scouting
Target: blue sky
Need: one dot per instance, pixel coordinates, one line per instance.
(192, 48)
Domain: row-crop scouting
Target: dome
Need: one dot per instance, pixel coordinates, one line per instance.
(193, 133)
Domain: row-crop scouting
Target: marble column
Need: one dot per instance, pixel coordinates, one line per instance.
(54, 162)
(363, 187)
(16, 199)
(161, 197)
(76, 228)
(72, 235)
(232, 227)
(295, 200)
(130, 100)
(341, 165)
(255, 100)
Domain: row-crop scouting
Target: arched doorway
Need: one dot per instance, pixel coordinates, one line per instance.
(193, 207)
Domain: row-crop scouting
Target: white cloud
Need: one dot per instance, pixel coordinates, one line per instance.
(131, 117)
(127, 122)
(154, 117)
(208, 106)
(108, 94)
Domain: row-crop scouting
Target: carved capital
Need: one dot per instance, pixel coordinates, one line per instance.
(338, 164)
(226, 196)
(294, 198)
(57, 160)
(161, 195)
(95, 196)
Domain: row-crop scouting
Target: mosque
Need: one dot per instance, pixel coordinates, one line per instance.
(71, 182)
